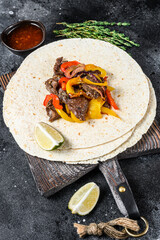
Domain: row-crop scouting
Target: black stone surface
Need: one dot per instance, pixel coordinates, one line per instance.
(24, 214)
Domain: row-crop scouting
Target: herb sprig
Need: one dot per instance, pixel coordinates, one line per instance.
(97, 30)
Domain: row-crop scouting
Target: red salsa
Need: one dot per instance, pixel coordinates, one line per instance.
(24, 37)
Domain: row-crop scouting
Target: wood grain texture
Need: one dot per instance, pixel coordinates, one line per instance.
(149, 143)
(50, 177)
(4, 79)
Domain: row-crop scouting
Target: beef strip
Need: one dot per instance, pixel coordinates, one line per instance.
(73, 70)
(57, 66)
(92, 77)
(62, 95)
(79, 107)
(51, 112)
(94, 91)
(84, 73)
(51, 85)
(107, 105)
(56, 77)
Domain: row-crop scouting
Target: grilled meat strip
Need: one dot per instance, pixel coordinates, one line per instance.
(57, 66)
(51, 85)
(51, 112)
(74, 70)
(79, 107)
(93, 91)
(63, 96)
(107, 105)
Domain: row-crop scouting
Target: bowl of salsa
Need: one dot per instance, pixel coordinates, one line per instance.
(23, 37)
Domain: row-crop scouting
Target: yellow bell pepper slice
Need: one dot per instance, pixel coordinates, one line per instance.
(71, 82)
(109, 112)
(75, 119)
(92, 67)
(85, 80)
(67, 109)
(64, 115)
(110, 88)
(96, 75)
(94, 108)
(78, 80)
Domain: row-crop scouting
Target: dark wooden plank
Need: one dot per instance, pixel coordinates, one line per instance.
(4, 79)
(149, 143)
(50, 177)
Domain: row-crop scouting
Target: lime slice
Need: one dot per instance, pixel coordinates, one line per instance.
(85, 199)
(47, 137)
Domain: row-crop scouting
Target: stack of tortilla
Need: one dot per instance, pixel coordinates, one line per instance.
(96, 139)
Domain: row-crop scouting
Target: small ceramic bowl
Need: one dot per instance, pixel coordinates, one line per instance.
(19, 24)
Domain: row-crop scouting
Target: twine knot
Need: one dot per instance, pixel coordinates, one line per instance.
(93, 229)
(108, 228)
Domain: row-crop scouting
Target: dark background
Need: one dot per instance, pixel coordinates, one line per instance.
(24, 214)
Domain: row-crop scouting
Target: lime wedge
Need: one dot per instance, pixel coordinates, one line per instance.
(85, 199)
(47, 137)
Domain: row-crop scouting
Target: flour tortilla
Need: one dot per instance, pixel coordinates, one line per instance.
(141, 128)
(22, 107)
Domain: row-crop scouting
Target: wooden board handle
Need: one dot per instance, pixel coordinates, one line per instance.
(120, 188)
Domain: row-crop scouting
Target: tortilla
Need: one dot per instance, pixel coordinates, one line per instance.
(22, 106)
(141, 128)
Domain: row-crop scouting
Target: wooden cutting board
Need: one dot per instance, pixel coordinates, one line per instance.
(50, 177)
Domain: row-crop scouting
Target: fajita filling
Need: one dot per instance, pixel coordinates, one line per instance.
(78, 92)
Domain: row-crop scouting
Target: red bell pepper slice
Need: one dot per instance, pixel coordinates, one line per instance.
(63, 81)
(55, 101)
(47, 99)
(111, 100)
(65, 65)
(105, 78)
